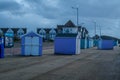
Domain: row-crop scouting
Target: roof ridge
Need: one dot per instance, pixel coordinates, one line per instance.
(70, 23)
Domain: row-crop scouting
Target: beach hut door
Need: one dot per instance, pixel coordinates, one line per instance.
(35, 46)
(32, 46)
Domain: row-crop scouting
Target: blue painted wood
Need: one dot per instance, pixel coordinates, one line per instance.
(115, 43)
(88, 43)
(1, 48)
(22, 46)
(105, 44)
(40, 46)
(96, 41)
(65, 45)
(83, 44)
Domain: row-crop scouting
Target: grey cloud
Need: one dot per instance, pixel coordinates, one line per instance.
(41, 8)
(7, 5)
(104, 12)
(87, 8)
(94, 8)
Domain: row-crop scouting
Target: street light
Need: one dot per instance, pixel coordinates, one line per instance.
(95, 42)
(100, 30)
(77, 14)
(95, 26)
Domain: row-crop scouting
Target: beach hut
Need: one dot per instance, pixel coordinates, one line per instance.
(1, 48)
(67, 44)
(31, 44)
(95, 42)
(83, 43)
(84, 36)
(115, 42)
(9, 38)
(105, 44)
(90, 43)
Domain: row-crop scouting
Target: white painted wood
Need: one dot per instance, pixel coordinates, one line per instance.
(28, 41)
(35, 46)
(31, 45)
(78, 43)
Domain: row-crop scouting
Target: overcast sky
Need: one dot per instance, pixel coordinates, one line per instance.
(49, 13)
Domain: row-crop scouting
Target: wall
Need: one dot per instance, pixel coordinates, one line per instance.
(70, 30)
(65, 45)
(106, 44)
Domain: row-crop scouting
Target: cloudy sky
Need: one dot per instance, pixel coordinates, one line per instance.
(49, 13)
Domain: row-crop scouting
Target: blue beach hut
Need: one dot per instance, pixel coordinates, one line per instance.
(31, 44)
(1, 48)
(105, 44)
(115, 42)
(95, 42)
(90, 43)
(83, 43)
(67, 44)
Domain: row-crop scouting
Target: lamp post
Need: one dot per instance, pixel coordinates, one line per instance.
(95, 43)
(77, 14)
(94, 27)
(100, 30)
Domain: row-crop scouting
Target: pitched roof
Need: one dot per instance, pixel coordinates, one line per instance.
(70, 24)
(30, 34)
(10, 31)
(67, 24)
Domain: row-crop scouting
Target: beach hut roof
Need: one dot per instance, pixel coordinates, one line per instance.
(31, 34)
(66, 35)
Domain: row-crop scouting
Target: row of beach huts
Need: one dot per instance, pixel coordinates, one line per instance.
(68, 44)
(69, 39)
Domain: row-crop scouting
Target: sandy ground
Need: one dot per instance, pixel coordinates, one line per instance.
(16, 50)
(91, 64)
